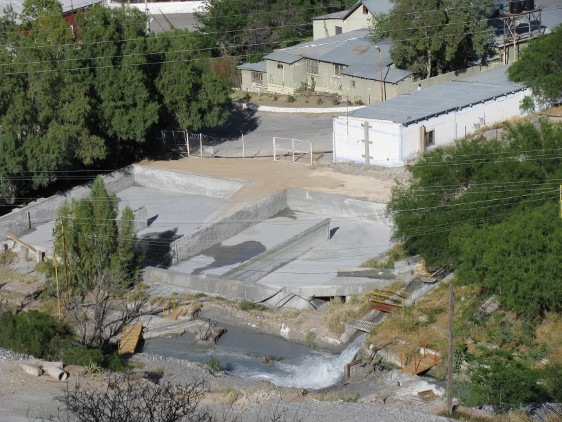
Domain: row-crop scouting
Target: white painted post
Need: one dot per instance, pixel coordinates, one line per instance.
(201, 145)
(186, 136)
(243, 149)
(293, 145)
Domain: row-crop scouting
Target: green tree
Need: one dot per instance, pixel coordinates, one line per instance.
(540, 66)
(429, 35)
(251, 29)
(194, 96)
(475, 182)
(101, 261)
(501, 380)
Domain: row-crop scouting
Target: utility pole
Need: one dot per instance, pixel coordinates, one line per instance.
(65, 263)
(380, 65)
(450, 360)
(56, 273)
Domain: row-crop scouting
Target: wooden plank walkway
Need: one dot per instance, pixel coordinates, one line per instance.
(361, 325)
(130, 341)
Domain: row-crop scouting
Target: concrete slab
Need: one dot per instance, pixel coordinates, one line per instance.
(247, 244)
(169, 214)
(353, 242)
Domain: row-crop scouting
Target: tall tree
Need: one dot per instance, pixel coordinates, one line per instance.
(431, 35)
(101, 262)
(251, 29)
(540, 67)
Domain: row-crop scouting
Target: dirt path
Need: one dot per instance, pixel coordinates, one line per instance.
(268, 177)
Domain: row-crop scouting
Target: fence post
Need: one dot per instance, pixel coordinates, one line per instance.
(186, 136)
(293, 145)
(201, 145)
(243, 149)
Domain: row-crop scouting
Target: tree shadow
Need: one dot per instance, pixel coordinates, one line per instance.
(240, 122)
(155, 247)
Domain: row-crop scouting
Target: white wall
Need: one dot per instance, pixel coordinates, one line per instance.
(392, 143)
(384, 137)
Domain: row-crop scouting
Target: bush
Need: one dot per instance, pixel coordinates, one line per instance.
(214, 364)
(34, 333)
(246, 305)
(7, 257)
(83, 356)
(291, 98)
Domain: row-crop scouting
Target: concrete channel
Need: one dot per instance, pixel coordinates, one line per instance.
(283, 249)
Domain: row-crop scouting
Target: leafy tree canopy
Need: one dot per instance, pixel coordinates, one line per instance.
(488, 209)
(251, 29)
(94, 96)
(430, 35)
(540, 66)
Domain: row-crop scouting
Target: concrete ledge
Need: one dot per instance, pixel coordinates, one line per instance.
(22, 220)
(336, 205)
(263, 264)
(192, 244)
(194, 184)
(306, 110)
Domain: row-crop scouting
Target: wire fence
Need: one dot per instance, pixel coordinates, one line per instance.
(181, 143)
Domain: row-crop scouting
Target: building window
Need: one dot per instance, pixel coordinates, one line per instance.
(353, 84)
(338, 30)
(429, 138)
(338, 68)
(257, 77)
(280, 66)
(365, 11)
(312, 66)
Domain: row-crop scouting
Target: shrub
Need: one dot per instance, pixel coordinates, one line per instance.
(214, 364)
(310, 339)
(246, 305)
(291, 98)
(7, 257)
(83, 356)
(35, 333)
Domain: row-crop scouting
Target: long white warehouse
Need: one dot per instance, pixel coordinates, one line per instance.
(402, 127)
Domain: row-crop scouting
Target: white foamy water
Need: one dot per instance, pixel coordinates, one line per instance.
(313, 371)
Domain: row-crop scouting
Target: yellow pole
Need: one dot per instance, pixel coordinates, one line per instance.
(65, 262)
(56, 272)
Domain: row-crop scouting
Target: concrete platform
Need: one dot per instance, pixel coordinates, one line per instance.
(251, 242)
(353, 242)
(169, 214)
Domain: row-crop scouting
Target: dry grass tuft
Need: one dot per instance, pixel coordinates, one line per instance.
(336, 313)
(550, 333)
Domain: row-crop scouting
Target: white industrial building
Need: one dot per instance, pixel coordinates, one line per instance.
(400, 128)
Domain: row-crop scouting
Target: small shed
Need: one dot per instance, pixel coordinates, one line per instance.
(398, 129)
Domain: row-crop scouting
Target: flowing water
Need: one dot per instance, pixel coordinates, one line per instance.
(251, 354)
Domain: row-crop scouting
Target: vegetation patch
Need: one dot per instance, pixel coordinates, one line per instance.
(337, 313)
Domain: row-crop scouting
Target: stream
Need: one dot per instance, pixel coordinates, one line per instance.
(242, 352)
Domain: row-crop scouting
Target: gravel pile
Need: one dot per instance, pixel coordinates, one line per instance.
(11, 355)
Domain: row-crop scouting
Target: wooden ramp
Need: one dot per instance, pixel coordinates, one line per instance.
(388, 300)
(131, 337)
(420, 363)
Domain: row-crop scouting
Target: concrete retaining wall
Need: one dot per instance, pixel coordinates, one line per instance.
(156, 178)
(336, 205)
(231, 289)
(22, 220)
(195, 243)
(280, 255)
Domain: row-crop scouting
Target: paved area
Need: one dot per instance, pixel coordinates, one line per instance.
(249, 243)
(353, 242)
(170, 215)
(259, 128)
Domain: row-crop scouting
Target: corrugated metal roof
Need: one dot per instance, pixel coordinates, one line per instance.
(283, 57)
(336, 15)
(255, 67)
(371, 71)
(439, 99)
